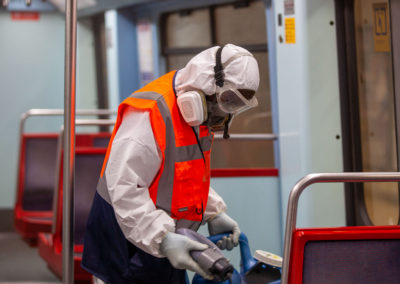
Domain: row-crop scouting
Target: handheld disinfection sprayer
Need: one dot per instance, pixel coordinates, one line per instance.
(210, 259)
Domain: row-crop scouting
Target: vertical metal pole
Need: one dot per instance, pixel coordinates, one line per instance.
(69, 141)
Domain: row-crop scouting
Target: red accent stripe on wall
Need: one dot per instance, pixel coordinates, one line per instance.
(25, 16)
(264, 172)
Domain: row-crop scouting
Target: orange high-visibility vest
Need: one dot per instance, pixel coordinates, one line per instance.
(181, 185)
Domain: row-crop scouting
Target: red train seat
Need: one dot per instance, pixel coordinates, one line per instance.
(88, 163)
(346, 255)
(35, 184)
(37, 178)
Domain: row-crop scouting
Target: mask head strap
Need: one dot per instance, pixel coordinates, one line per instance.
(219, 81)
(218, 68)
(226, 127)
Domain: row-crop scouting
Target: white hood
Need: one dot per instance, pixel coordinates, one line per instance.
(198, 74)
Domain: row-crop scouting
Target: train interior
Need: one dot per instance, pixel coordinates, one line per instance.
(327, 124)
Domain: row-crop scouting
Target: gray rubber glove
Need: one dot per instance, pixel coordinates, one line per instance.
(177, 248)
(222, 223)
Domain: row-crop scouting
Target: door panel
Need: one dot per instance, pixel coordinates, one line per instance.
(368, 48)
(376, 107)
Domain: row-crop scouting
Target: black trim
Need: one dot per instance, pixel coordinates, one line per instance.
(99, 32)
(394, 10)
(163, 33)
(241, 4)
(213, 23)
(182, 50)
(7, 220)
(197, 49)
(349, 104)
(199, 144)
(173, 82)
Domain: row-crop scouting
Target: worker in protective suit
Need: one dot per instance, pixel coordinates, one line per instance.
(156, 174)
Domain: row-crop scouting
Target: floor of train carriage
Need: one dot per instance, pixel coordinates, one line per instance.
(20, 263)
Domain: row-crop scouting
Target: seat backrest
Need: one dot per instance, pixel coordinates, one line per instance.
(37, 167)
(96, 140)
(101, 140)
(346, 255)
(88, 164)
(37, 171)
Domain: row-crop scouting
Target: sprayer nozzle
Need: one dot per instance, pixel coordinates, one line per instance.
(222, 270)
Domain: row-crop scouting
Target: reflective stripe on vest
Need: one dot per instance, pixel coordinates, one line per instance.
(164, 196)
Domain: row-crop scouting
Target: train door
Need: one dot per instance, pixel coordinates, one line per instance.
(369, 56)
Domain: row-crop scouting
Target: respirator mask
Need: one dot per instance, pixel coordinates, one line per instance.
(216, 111)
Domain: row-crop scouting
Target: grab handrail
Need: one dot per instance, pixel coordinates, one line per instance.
(88, 112)
(60, 112)
(302, 184)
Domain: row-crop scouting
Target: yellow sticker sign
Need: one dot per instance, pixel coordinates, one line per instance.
(381, 27)
(290, 30)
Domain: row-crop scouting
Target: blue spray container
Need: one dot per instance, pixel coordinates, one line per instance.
(252, 271)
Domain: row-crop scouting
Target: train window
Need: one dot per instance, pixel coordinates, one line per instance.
(376, 106)
(226, 28)
(178, 60)
(233, 24)
(189, 28)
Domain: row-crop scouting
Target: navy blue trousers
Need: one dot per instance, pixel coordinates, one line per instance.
(113, 259)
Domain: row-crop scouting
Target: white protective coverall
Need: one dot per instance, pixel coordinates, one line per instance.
(140, 221)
